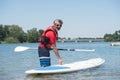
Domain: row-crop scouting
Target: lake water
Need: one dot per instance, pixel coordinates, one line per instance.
(13, 65)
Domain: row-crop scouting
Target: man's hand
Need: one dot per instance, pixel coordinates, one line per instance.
(61, 62)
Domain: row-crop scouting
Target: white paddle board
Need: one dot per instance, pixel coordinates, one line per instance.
(76, 66)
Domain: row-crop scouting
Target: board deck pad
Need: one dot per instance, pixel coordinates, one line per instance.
(71, 67)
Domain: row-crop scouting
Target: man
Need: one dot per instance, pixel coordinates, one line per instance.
(47, 40)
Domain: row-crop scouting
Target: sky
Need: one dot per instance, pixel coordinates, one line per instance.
(82, 18)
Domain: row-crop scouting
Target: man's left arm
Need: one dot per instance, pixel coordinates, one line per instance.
(57, 53)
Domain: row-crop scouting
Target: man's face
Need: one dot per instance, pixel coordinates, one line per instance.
(58, 25)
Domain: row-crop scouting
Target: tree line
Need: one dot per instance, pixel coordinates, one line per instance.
(112, 37)
(15, 34)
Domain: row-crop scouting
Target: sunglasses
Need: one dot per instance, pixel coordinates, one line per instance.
(57, 25)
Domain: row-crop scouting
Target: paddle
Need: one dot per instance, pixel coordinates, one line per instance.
(23, 48)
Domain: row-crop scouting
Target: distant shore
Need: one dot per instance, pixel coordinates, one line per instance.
(82, 40)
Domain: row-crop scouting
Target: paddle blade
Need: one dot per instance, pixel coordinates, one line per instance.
(20, 48)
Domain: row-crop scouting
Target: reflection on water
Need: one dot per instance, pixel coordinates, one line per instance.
(42, 77)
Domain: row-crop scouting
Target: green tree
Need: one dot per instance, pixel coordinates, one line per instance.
(32, 35)
(16, 32)
(112, 37)
(6, 29)
(1, 33)
(40, 33)
(11, 40)
(108, 37)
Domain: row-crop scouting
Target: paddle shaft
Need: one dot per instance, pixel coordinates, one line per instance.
(67, 49)
(84, 50)
(22, 48)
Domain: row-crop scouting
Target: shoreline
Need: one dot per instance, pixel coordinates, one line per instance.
(82, 40)
(72, 40)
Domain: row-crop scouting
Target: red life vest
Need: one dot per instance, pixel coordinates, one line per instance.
(46, 41)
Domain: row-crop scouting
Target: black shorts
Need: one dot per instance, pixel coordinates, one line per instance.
(43, 52)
